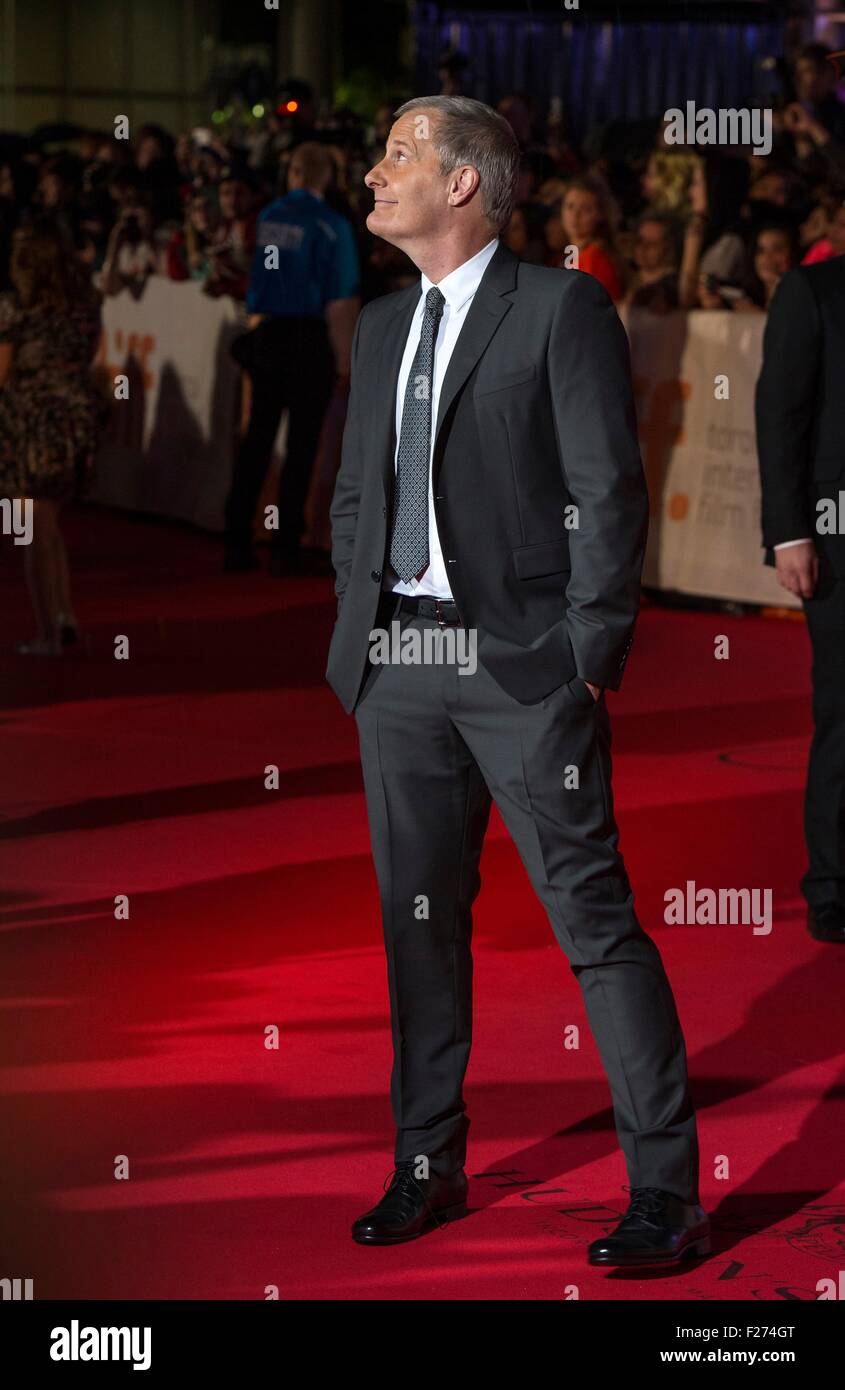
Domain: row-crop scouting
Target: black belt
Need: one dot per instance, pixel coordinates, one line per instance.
(443, 610)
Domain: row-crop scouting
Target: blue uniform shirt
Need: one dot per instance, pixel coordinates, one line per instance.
(318, 258)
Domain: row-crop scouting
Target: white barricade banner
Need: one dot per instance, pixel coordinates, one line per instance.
(170, 445)
(168, 448)
(694, 380)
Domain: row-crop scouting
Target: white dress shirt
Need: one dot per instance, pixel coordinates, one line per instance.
(458, 289)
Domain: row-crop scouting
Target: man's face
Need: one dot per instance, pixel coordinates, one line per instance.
(410, 194)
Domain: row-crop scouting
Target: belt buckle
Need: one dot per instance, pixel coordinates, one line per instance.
(441, 621)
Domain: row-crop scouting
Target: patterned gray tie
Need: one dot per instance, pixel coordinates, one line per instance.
(409, 541)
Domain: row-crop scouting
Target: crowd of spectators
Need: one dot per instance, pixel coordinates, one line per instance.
(661, 226)
(675, 227)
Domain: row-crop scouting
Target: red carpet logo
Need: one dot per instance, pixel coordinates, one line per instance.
(822, 1234)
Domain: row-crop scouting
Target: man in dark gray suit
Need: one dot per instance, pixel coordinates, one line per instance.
(800, 407)
(491, 485)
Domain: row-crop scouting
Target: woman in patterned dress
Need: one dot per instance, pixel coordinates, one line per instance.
(51, 413)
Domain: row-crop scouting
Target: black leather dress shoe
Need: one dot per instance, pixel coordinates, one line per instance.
(657, 1229)
(827, 923)
(411, 1206)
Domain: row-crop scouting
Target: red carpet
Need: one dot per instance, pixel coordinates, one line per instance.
(251, 908)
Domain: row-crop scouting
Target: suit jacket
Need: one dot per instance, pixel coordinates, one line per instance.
(535, 414)
(800, 406)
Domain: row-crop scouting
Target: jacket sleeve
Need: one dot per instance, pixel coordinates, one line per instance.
(347, 491)
(590, 381)
(785, 406)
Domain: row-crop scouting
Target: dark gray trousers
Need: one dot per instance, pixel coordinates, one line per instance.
(435, 746)
(823, 883)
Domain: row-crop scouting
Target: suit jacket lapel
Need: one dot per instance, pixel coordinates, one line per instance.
(485, 313)
(388, 363)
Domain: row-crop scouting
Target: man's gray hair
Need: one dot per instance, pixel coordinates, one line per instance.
(468, 132)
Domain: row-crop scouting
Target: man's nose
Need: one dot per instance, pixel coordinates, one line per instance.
(375, 177)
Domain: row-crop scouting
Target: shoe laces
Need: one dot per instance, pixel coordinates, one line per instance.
(402, 1175)
(645, 1201)
(402, 1181)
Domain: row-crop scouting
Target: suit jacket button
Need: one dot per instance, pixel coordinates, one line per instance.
(384, 511)
(376, 575)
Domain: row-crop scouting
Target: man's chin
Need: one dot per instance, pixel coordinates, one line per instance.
(381, 223)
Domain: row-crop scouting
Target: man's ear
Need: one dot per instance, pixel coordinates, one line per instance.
(463, 183)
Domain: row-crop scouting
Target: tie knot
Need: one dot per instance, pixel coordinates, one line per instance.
(434, 303)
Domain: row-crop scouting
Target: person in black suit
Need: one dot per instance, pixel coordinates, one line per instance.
(491, 486)
(800, 409)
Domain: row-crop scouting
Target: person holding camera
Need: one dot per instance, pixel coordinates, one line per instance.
(714, 249)
(130, 252)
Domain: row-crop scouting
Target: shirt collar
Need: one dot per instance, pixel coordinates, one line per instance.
(462, 282)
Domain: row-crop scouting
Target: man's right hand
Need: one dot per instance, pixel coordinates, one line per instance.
(798, 568)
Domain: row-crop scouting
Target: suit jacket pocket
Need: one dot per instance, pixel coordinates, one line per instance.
(546, 557)
(515, 377)
(577, 688)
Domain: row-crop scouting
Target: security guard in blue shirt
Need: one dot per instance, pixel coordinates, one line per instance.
(303, 303)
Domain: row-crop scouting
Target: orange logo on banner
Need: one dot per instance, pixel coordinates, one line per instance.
(130, 349)
(660, 418)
